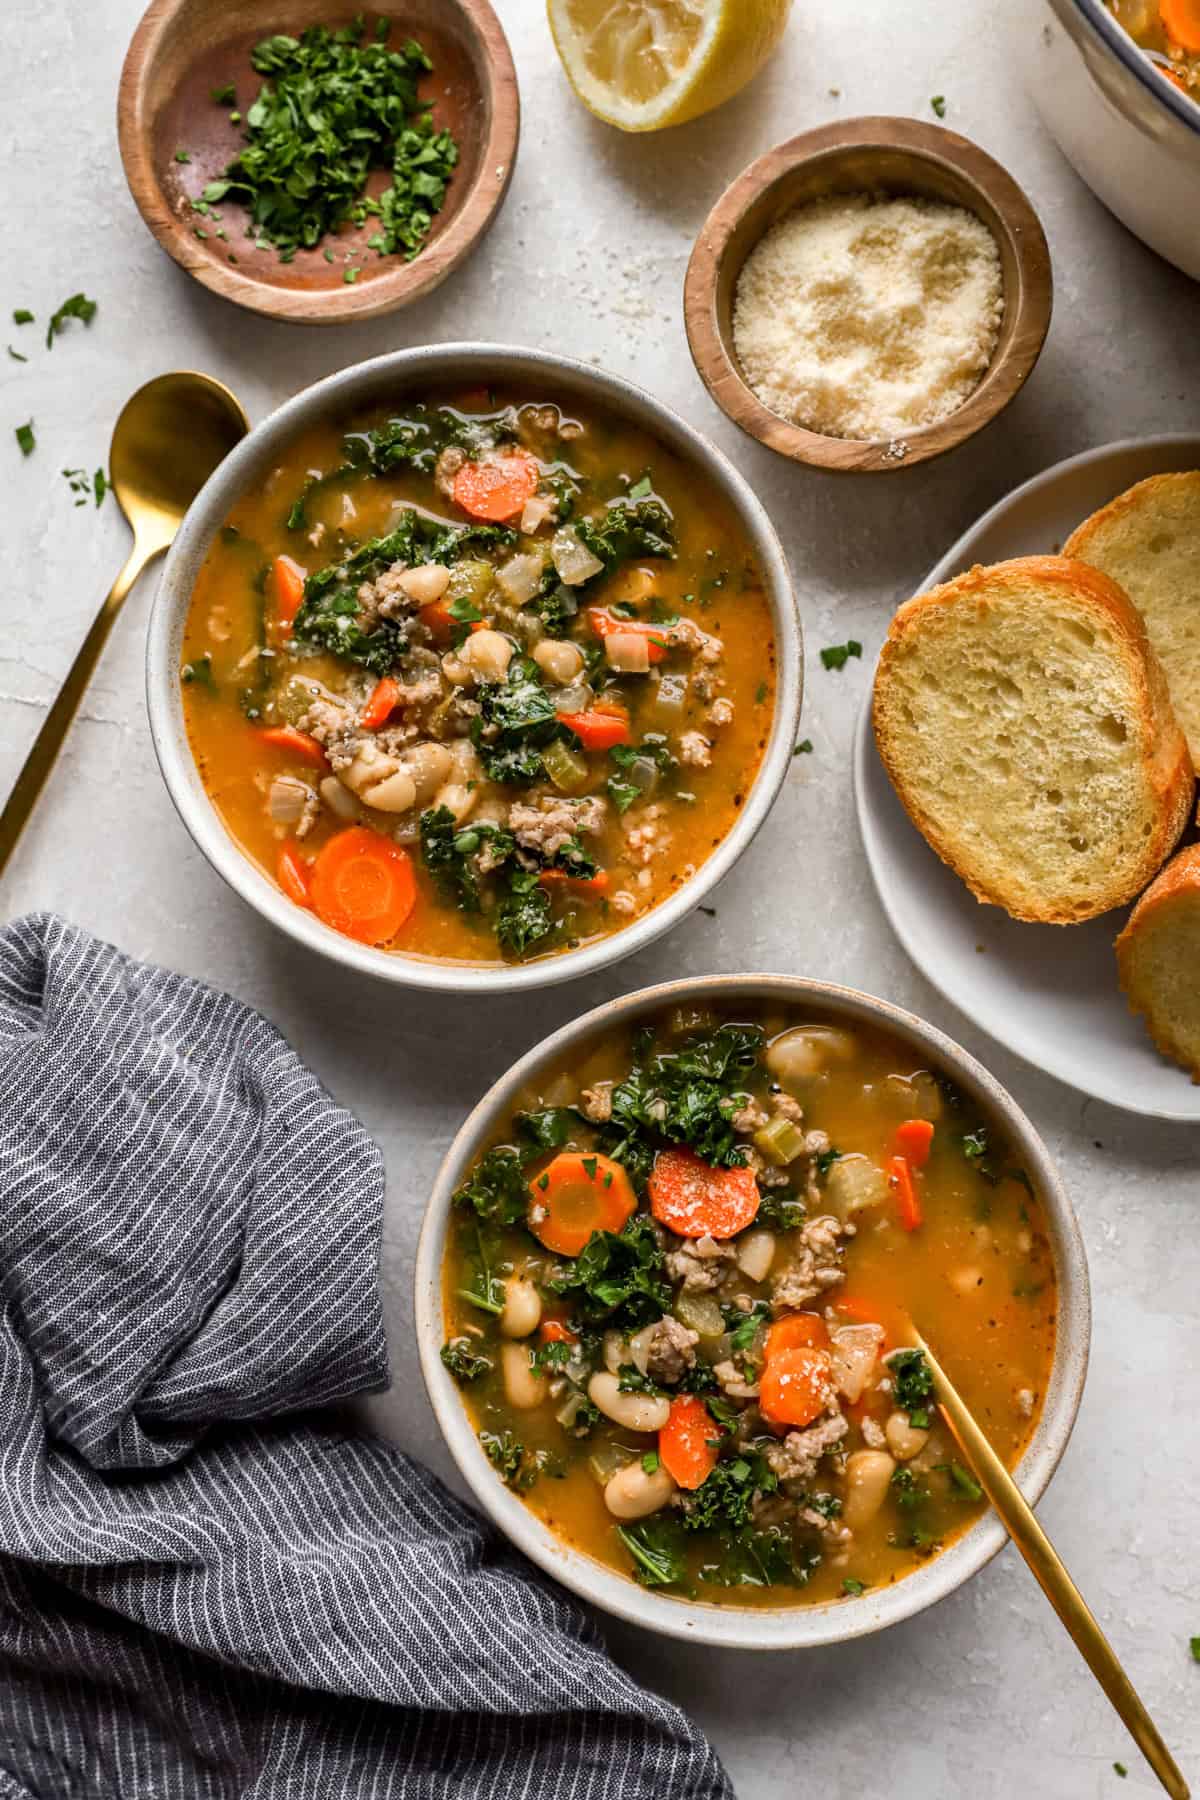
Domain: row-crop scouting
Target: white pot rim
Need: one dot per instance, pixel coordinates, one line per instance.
(370, 383)
(730, 1627)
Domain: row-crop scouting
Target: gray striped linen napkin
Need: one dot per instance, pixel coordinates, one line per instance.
(207, 1588)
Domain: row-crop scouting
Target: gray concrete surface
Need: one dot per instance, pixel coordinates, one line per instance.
(984, 1697)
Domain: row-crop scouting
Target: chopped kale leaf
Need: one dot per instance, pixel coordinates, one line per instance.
(657, 1551)
(686, 1096)
(617, 1278)
(25, 438)
(524, 916)
(913, 1385)
(836, 656)
(77, 307)
(519, 716)
(464, 1362)
(629, 528)
(495, 1189)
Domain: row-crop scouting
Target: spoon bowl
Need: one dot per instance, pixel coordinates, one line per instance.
(170, 437)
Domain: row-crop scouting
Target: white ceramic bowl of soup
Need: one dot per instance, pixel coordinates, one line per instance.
(387, 380)
(737, 1627)
(1131, 135)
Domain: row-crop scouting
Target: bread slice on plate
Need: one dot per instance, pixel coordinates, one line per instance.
(1158, 959)
(1148, 540)
(1026, 726)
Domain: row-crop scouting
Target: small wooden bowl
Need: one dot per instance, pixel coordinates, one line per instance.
(184, 49)
(879, 156)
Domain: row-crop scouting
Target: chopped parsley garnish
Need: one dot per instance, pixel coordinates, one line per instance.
(803, 748)
(1120, 1769)
(77, 307)
(22, 315)
(1195, 1648)
(16, 354)
(650, 1462)
(836, 656)
(86, 487)
(330, 110)
(965, 1482)
(223, 96)
(851, 1585)
(938, 104)
(25, 438)
(183, 156)
(464, 1362)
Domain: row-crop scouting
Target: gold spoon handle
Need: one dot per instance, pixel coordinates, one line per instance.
(49, 741)
(1053, 1579)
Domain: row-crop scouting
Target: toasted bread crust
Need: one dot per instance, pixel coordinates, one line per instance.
(1165, 750)
(1180, 490)
(1179, 880)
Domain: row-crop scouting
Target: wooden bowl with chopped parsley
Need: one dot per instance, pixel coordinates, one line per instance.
(320, 166)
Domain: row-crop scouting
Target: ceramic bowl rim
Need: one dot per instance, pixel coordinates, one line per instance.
(749, 1628)
(371, 381)
(1133, 58)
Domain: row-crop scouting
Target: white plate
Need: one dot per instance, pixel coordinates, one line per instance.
(1047, 992)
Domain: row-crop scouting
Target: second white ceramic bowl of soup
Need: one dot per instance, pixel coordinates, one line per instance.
(1131, 135)
(390, 381)
(757, 1627)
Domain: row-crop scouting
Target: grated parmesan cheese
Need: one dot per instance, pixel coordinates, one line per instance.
(864, 317)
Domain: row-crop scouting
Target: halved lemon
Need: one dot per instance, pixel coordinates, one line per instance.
(643, 64)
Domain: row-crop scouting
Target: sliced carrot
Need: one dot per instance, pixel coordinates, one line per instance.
(579, 884)
(363, 885)
(597, 729)
(496, 489)
(441, 622)
(292, 743)
(604, 624)
(289, 590)
(796, 1386)
(553, 1331)
(687, 1443)
(293, 873)
(908, 1201)
(913, 1140)
(577, 1195)
(381, 705)
(695, 1200)
(1181, 22)
(795, 1331)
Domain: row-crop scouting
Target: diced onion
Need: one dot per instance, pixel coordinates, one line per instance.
(854, 1351)
(628, 652)
(574, 699)
(286, 799)
(520, 577)
(572, 559)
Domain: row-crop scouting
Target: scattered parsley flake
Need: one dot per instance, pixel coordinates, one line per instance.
(1194, 1644)
(836, 656)
(803, 748)
(16, 354)
(938, 104)
(1121, 1770)
(851, 1585)
(350, 275)
(650, 1462)
(183, 156)
(22, 316)
(77, 307)
(223, 96)
(641, 490)
(26, 439)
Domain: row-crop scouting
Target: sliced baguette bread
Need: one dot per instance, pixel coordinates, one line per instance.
(1026, 726)
(1148, 540)
(1158, 959)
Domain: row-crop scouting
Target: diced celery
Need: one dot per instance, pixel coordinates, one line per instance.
(780, 1140)
(471, 579)
(700, 1312)
(567, 771)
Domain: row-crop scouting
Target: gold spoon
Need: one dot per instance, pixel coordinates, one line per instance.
(1051, 1576)
(170, 437)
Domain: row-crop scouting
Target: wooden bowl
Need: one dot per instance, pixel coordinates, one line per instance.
(879, 156)
(184, 49)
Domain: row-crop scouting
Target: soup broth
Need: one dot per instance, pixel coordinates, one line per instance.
(480, 680)
(677, 1298)
(1169, 32)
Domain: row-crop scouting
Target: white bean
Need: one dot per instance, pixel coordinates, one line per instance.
(632, 1494)
(370, 766)
(338, 798)
(426, 584)
(457, 798)
(800, 1054)
(868, 1473)
(522, 1308)
(465, 760)
(636, 1412)
(756, 1253)
(394, 794)
(559, 660)
(429, 765)
(904, 1440)
(523, 1387)
(487, 654)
